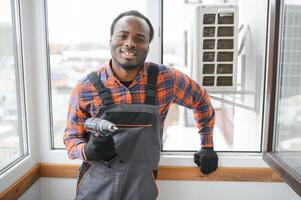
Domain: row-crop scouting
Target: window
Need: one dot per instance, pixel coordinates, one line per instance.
(283, 147)
(78, 35)
(238, 110)
(13, 144)
(78, 43)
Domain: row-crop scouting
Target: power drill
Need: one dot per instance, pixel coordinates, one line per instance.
(100, 126)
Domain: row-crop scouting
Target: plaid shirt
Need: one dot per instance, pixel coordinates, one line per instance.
(173, 86)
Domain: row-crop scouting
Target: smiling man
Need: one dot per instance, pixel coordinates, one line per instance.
(134, 95)
(129, 44)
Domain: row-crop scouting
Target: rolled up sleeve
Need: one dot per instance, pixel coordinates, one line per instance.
(75, 135)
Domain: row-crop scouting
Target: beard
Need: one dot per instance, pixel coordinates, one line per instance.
(129, 67)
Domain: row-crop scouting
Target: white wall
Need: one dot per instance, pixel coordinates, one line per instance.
(192, 190)
(64, 189)
(33, 193)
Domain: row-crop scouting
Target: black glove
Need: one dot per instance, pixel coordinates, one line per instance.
(100, 148)
(206, 159)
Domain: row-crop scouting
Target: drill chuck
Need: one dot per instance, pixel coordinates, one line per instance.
(102, 126)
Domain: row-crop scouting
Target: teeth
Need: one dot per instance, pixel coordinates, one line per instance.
(128, 53)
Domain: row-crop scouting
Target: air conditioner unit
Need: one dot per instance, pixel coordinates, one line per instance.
(215, 51)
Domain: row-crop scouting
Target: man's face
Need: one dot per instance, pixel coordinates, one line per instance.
(129, 43)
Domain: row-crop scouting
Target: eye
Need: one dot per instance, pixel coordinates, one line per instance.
(121, 36)
(140, 39)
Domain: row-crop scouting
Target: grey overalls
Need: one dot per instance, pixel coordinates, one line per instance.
(128, 176)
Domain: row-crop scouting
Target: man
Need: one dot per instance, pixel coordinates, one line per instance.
(135, 96)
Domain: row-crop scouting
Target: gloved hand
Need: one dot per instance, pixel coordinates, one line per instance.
(100, 148)
(206, 159)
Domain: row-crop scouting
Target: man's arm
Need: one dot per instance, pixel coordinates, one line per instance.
(190, 94)
(75, 136)
(77, 140)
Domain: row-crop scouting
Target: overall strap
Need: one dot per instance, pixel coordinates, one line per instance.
(104, 93)
(151, 85)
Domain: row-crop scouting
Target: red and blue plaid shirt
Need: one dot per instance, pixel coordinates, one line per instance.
(173, 86)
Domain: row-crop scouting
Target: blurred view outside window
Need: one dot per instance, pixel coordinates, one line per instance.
(288, 123)
(11, 140)
(238, 112)
(79, 35)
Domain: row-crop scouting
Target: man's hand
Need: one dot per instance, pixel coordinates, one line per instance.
(100, 148)
(206, 159)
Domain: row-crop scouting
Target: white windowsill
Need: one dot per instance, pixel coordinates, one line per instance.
(225, 159)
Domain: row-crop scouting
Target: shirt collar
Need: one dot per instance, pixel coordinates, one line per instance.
(112, 79)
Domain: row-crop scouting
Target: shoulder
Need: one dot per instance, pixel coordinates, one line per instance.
(84, 89)
(165, 76)
(174, 75)
(168, 72)
(163, 69)
(101, 72)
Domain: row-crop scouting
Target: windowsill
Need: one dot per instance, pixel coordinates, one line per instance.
(225, 159)
(16, 172)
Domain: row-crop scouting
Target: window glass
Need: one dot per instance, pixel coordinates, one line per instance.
(79, 35)
(288, 123)
(222, 47)
(12, 144)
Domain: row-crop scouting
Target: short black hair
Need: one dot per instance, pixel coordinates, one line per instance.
(136, 14)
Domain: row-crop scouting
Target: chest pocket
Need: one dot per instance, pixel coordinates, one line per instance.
(135, 136)
(130, 119)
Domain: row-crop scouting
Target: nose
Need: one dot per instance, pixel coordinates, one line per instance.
(130, 42)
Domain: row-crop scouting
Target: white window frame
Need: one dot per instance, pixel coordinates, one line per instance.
(41, 112)
(25, 93)
(47, 154)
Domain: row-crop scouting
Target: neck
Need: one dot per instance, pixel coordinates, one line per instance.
(123, 74)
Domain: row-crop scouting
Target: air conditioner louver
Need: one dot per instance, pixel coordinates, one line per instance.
(216, 50)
